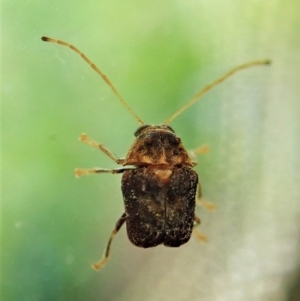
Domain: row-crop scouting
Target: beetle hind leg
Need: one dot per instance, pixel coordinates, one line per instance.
(99, 265)
(202, 237)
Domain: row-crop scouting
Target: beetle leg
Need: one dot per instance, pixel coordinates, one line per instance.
(201, 201)
(207, 205)
(197, 221)
(89, 171)
(86, 139)
(199, 234)
(204, 149)
(99, 265)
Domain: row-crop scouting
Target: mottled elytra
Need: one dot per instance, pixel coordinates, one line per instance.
(159, 185)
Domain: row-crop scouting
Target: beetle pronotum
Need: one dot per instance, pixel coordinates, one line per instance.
(158, 182)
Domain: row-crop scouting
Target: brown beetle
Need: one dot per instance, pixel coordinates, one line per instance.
(159, 185)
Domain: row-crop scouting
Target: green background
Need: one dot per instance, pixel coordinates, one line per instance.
(158, 54)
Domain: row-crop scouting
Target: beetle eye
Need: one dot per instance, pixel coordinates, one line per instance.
(169, 128)
(140, 129)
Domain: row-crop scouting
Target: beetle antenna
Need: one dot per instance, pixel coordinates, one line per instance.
(46, 39)
(213, 84)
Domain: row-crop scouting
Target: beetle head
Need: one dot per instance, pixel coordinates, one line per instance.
(157, 145)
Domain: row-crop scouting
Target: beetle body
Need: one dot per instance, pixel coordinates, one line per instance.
(159, 194)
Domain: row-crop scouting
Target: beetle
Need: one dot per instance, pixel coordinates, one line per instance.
(159, 185)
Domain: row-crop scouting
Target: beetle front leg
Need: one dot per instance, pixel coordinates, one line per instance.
(99, 265)
(86, 139)
(79, 172)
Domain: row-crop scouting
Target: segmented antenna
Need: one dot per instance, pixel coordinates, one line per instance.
(46, 39)
(213, 84)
